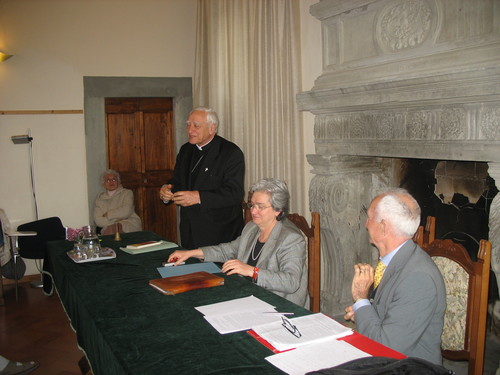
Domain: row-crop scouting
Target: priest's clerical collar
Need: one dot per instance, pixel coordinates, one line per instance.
(206, 144)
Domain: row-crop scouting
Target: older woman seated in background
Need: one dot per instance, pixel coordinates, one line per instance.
(271, 250)
(114, 208)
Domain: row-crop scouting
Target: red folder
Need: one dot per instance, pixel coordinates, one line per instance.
(356, 339)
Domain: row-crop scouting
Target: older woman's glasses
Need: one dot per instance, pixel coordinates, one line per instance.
(257, 206)
(111, 180)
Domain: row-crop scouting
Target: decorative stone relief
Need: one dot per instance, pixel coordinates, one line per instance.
(452, 123)
(328, 127)
(494, 223)
(404, 25)
(359, 127)
(338, 192)
(387, 125)
(489, 123)
(418, 125)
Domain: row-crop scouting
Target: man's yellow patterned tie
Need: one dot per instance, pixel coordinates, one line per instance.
(379, 272)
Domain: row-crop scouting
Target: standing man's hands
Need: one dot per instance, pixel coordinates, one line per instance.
(186, 198)
(166, 194)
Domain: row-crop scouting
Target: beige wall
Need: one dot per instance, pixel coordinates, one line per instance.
(55, 44)
(312, 67)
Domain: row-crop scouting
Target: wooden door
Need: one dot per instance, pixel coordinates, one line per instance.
(140, 146)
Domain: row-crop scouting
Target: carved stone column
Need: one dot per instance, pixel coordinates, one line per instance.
(341, 192)
(494, 222)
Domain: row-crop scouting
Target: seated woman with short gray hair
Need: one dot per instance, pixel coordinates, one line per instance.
(271, 250)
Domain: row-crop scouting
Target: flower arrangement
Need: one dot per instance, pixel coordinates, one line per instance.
(72, 233)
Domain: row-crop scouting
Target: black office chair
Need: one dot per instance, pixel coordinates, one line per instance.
(34, 247)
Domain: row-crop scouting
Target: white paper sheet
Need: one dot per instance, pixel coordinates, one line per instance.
(245, 304)
(316, 356)
(238, 314)
(240, 321)
(314, 327)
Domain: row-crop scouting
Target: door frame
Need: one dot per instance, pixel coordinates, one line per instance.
(98, 88)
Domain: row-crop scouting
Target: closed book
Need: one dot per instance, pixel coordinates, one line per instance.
(184, 283)
(142, 245)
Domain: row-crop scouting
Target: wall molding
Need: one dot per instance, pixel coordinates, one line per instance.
(43, 112)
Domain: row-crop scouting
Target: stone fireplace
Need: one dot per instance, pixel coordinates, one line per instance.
(405, 83)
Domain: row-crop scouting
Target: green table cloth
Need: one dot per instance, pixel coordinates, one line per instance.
(127, 327)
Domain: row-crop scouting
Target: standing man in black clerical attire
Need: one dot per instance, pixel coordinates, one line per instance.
(207, 184)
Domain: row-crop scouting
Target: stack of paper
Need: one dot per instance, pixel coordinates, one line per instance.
(239, 314)
(316, 356)
(306, 329)
(142, 245)
(148, 246)
(304, 344)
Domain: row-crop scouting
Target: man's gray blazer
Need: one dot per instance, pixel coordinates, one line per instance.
(282, 263)
(407, 311)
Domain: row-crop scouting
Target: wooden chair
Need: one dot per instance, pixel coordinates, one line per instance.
(313, 235)
(466, 283)
(425, 236)
(247, 215)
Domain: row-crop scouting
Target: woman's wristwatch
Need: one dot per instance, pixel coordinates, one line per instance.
(255, 275)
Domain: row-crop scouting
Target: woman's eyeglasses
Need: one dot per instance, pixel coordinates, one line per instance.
(257, 206)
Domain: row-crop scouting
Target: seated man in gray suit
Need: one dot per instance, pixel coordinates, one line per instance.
(405, 308)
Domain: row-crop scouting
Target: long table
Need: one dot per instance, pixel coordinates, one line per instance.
(125, 326)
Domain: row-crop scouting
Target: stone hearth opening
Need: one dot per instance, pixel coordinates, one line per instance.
(459, 195)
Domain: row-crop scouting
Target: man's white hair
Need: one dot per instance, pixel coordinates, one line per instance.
(401, 210)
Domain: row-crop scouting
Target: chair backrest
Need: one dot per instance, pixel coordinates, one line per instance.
(48, 229)
(313, 234)
(5, 221)
(4, 245)
(466, 283)
(247, 215)
(425, 236)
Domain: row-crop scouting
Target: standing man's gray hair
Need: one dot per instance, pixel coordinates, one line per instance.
(212, 117)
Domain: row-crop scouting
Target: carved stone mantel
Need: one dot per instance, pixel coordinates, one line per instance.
(401, 79)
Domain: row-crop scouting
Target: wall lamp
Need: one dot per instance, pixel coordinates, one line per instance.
(25, 139)
(4, 56)
(20, 139)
